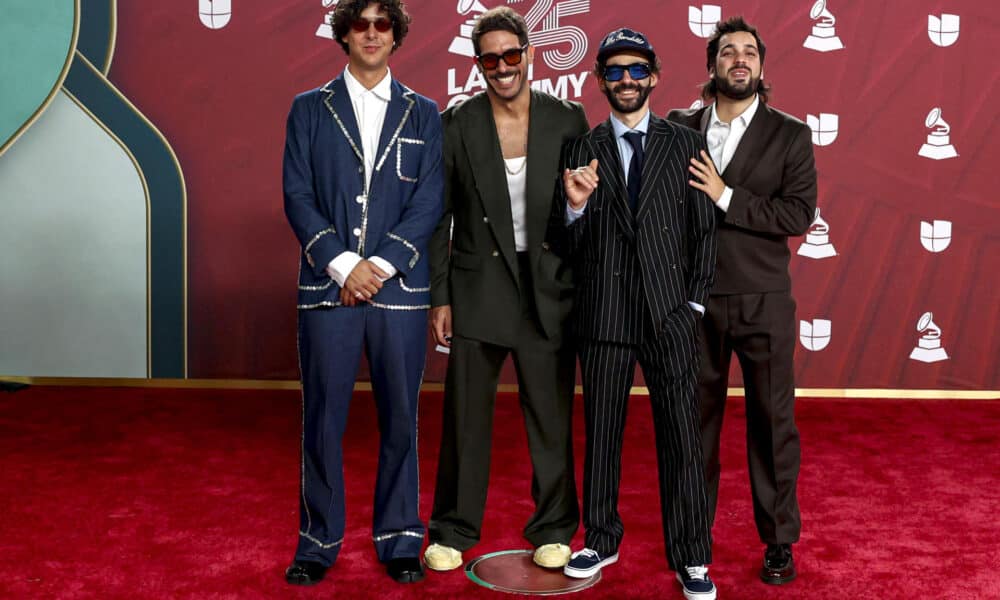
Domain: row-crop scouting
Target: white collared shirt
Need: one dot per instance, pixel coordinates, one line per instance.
(370, 106)
(723, 139)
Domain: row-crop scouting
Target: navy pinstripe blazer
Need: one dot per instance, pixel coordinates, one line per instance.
(665, 253)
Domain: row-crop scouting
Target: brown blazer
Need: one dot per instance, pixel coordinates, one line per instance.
(773, 177)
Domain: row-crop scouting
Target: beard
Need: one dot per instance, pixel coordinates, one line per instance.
(737, 91)
(627, 106)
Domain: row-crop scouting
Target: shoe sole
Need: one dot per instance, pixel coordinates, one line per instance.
(777, 580)
(411, 578)
(569, 571)
(696, 595)
(554, 565)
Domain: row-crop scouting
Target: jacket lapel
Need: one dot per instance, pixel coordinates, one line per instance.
(659, 141)
(396, 114)
(605, 149)
(486, 159)
(541, 182)
(751, 145)
(338, 102)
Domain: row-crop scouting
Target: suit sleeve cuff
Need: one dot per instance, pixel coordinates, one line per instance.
(385, 265)
(572, 214)
(725, 199)
(341, 266)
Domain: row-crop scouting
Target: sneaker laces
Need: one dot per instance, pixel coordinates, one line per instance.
(697, 572)
(587, 552)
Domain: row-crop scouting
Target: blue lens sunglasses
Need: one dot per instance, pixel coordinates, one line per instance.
(636, 71)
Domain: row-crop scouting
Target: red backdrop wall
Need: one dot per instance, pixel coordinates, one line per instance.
(221, 96)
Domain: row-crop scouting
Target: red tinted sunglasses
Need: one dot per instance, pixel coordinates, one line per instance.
(491, 61)
(381, 24)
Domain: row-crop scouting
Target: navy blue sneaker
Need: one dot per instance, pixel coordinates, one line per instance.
(696, 584)
(587, 562)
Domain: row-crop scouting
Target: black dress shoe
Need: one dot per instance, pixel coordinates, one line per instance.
(405, 570)
(779, 566)
(304, 572)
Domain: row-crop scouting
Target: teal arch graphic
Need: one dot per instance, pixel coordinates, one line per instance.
(37, 41)
(69, 44)
(165, 182)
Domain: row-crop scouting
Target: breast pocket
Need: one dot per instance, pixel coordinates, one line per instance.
(408, 154)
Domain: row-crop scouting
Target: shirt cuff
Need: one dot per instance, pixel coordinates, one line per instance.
(697, 307)
(385, 265)
(572, 214)
(341, 266)
(725, 199)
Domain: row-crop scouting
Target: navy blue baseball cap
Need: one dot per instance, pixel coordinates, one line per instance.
(623, 39)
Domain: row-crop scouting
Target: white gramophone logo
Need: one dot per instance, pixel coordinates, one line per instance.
(928, 348)
(938, 145)
(935, 236)
(702, 20)
(462, 44)
(824, 128)
(943, 30)
(817, 244)
(325, 30)
(815, 335)
(215, 14)
(823, 37)
(551, 33)
(697, 104)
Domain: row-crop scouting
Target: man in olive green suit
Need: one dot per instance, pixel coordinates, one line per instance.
(499, 291)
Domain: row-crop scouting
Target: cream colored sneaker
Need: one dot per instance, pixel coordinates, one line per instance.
(442, 558)
(552, 556)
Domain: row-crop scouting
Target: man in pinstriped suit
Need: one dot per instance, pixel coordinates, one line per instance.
(642, 245)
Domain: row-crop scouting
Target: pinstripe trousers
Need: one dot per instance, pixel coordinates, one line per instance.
(669, 366)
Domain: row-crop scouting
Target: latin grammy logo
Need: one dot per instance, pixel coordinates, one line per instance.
(938, 145)
(935, 236)
(928, 348)
(462, 44)
(815, 335)
(215, 14)
(325, 30)
(823, 37)
(824, 128)
(817, 244)
(943, 30)
(702, 20)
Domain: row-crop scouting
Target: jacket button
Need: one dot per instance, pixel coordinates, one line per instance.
(545, 245)
(495, 253)
(357, 231)
(666, 229)
(617, 274)
(486, 219)
(673, 266)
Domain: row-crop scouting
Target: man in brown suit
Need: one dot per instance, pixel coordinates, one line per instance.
(762, 178)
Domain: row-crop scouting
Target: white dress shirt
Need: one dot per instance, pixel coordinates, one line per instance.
(723, 139)
(369, 112)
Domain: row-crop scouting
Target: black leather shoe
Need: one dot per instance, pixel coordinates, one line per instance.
(405, 570)
(304, 572)
(779, 566)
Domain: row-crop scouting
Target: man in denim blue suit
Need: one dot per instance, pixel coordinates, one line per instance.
(363, 191)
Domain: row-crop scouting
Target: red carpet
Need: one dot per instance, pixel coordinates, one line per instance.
(134, 493)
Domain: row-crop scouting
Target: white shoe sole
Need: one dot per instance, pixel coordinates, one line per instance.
(569, 571)
(696, 595)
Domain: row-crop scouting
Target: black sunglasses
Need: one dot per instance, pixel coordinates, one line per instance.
(636, 71)
(381, 24)
(492, 60)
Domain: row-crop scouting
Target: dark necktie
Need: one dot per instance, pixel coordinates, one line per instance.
(634, 138)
